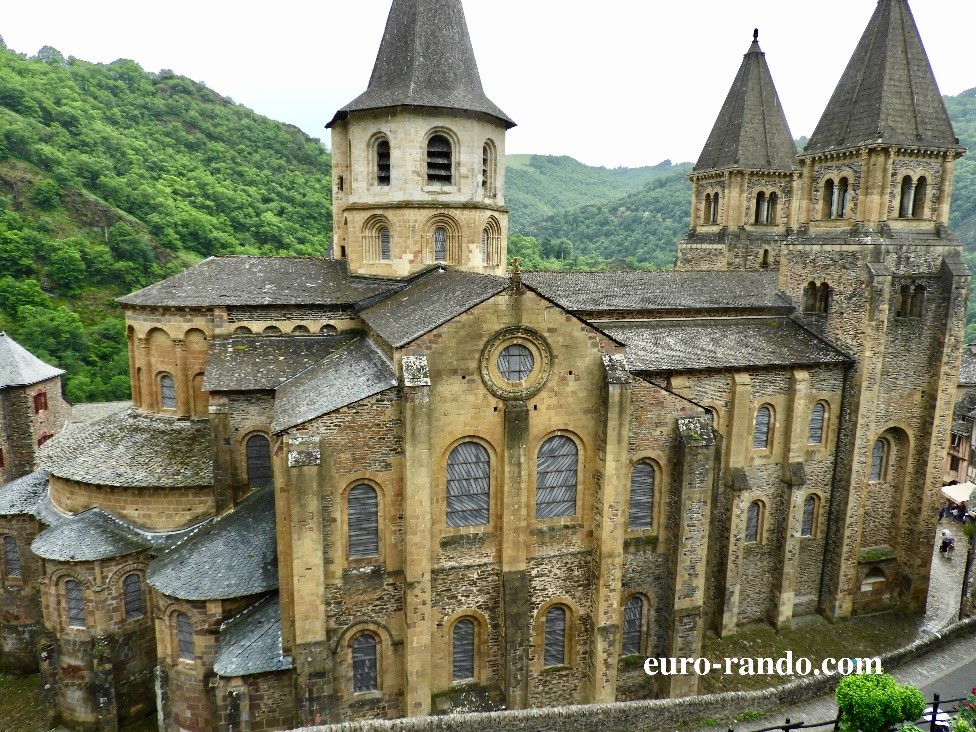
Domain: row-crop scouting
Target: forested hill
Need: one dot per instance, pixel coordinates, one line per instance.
(112, 178)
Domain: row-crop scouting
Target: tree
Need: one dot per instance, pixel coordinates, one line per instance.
(66, 269)
(876, 702)
(46, 194)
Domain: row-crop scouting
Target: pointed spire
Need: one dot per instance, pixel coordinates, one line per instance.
(425, 60)
(751, 130)
(888, 93)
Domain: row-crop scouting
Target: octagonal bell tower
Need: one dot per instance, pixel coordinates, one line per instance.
(418, 159)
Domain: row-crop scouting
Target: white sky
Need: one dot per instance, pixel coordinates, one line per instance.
(619, 82)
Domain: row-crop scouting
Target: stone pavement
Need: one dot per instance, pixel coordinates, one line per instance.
(945, 583)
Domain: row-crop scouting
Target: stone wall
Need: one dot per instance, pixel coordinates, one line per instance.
(20, 600)
(259, 703)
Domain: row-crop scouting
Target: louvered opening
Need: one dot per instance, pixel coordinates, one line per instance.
(809, 512)
(817, 424)
(135, 606)
(641, 497)
(184, 636)
(383, 163)
(463, 650)
(760, 436)
(555, 651)
(259, 474)
(385, 240)
(556, 478)
(11, 556)
(167, 392)
(515, 362)
(633, 622)
(439, 161)
(364, 667)
(363, 514)
(75, 601)
(752, 521)
(468, 485)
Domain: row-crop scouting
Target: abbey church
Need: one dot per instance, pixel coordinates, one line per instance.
(404, 479)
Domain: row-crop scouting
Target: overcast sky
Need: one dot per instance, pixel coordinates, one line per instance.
(619, 82)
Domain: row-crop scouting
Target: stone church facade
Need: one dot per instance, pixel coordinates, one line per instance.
(402, 480)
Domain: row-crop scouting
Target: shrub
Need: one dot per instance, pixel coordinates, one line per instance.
(876, 702)
(46, 194)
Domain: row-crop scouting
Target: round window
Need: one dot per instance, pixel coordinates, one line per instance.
(515, 362)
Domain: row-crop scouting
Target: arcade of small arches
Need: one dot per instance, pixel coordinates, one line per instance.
(440, 147)
(442, 238)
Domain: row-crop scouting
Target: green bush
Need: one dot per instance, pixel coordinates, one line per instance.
(46, 194)
(876, 702)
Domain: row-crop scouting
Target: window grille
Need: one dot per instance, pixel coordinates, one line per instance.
(462, 656)
(468, 485)
(641, 497)
(760, 436)
(878, 460)
(817, 424)
(75, 601)
(11, 556)
(363, 516)
(515, 362)
(167, 392)
(383, 163)
(259, 473)
(440, 167)
(135, 606)
(364, 666)
(555, 634)
(633, 625)
(440, 244)
(385, 251)
(184, 637)
(556, 478)
(752, 521)
(809, 513)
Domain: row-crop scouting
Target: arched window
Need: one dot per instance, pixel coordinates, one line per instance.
(920, 202)
(383, 163)
(386, 252)
(468, 484)
(823, 297)
(363, 517)
(828, 199)
(440, 244)
(904, 301)
(242, 331)
(184, 637)
(641, 513)
(365, 671)
(11, 557)
(816, 433)
(462, 650)
(555, 637)
(879, 460)
(809, 516)
(707, 210)
(40, 402)
(272, 331)
(761, 211)
(714, 216)
(556, 477)
(754, 522)
(491, 240)
(761, 433)
(772, 208)
(440, 166)
(167, 392)
(258, 449)
(633, 627)
(907, 191)
(74, 604)
(840, 193)
(810, 298)
(765, 259)
(874, 581)
(328, 330)
(300, 330)
(917, 305)
(488, 167)
(132, 599)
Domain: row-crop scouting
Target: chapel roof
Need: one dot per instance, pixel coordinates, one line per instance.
(711, 344)
(28, 496)
(20, 367)
(235, 556)
(242, 281)
(263, 364)
(250, 642)
(425, 60)
(888, 93)
(751, 130)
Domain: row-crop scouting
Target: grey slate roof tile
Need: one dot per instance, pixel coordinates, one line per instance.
(425, 60)
(967, 369)
(28, 496)
(643, 290)
(133, 449)
(429, 302)
(888, 92)
(240, 281)
(235, 556)
(81, 413)
(263, 364)
(354, 372)
(720, 344)
(751, 130)
(20, 367)
(250, 643)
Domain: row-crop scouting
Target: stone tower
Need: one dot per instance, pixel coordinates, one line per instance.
(418, 158)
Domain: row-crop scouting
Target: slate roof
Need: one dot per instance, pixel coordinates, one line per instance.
(133, 449)
(720, 344)
(425, 60)
(888, 92)
(263, 364)
(241, 281)
(28, 496)
(429, 302)
(20, 367)
(250, 643)
(643, 290)
(354, 372)
(81, 413)
(967, 369)
(235, 556)
(751, 130)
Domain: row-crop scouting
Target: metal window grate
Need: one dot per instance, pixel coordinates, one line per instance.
(463, 650)
(641, 497)
(809, 512)
(167, 392)
(555, 651)
(135, 606)
(75, 601)
(752, 521)
(363, 516)
(385, 249)
(364, 667)
(556, 478)
(468, 485)
(439, 161)
(258, 449)
(816, 424)
(633, 623)
(184, 636)
(11, 556)
(760, 436)
(440, 244)
(383, 163)
(877, 460)
(515, 362)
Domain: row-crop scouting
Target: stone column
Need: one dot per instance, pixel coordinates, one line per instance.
(945, 189)
(150, 399)
(184, 387)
